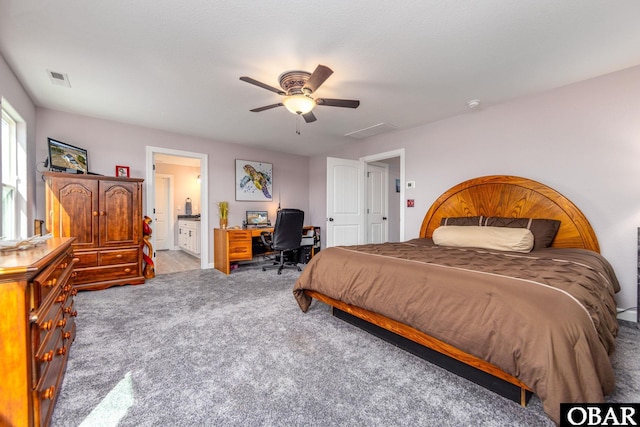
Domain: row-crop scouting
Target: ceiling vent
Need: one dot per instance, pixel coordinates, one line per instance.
(60, 79)
(372, 130)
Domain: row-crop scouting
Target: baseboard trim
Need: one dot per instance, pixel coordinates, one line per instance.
(629, 315)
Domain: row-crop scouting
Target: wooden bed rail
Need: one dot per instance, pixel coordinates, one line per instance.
(425, 340)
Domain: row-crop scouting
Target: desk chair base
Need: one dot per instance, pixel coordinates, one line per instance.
(282, 264)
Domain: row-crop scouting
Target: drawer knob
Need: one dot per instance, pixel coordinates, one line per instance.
(51, 282)
(94, 213)
(62, 351)
(74, 292)
(73, 313)
(61, 323)
(127, 270)
(66, 335)
(47, 357)
(61, 298)
(46, 326)
(49, 393)
(119, 256)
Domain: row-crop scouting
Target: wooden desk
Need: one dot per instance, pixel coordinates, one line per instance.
(231, 245)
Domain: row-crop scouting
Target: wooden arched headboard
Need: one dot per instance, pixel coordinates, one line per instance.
(512, 196)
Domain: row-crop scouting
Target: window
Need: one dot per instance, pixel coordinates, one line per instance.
(13, 164)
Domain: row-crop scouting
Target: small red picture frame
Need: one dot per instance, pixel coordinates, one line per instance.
(122, 171)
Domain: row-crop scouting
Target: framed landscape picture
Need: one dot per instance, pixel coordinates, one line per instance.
(254, 180)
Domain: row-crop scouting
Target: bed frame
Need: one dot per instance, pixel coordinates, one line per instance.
(497, 196)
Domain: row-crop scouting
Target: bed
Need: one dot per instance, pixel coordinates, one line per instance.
(537, 321)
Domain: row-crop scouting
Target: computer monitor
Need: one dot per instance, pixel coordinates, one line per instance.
(258, 218)
(65, 157)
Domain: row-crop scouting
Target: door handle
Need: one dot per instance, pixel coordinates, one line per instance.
(330, 219)
(384, 218)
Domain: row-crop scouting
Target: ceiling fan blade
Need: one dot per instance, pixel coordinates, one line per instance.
(318, 77)
(347, 103)
(262, 85)
(267, 107)
(309, 117)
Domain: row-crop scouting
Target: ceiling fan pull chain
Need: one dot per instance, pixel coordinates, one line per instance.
(298, 124)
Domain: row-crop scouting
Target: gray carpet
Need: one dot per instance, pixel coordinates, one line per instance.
(201, 348)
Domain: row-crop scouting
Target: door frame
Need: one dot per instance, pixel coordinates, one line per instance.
(388, 155)
(204, 194)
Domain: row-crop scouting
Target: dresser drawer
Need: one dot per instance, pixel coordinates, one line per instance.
(121, 256)
(47, 389)
(53, 275)
(43, 331)
(95, 274)
(53, 345)
(87, 259)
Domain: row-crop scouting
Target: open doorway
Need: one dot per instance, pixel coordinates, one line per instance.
(348, 199)
(173, 175)
(384, 195)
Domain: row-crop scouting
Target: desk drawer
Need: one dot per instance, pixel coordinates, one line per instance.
(238, 235)
(240, 251)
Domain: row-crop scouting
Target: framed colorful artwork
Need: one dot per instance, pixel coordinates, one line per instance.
(254, 181)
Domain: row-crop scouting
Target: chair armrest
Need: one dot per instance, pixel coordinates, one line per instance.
(266, 238)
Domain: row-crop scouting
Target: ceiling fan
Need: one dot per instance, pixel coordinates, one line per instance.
(297, 88)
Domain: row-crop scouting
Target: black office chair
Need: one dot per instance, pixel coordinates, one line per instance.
(286, 237)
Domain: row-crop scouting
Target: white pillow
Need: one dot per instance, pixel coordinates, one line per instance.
(498, 238)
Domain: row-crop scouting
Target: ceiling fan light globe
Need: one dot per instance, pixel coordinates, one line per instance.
(299, 103)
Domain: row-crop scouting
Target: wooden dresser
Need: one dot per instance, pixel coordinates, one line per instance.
(104, 214)
(36, 330)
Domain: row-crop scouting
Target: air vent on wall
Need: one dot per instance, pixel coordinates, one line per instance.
(60, 79)
(371, 130)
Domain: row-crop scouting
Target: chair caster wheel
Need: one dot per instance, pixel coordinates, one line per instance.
(264, 269)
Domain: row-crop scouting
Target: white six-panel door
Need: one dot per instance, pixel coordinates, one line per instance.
(377, 203)
(345, 202)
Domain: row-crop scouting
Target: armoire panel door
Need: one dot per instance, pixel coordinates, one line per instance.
(120, 216)
(76, 214)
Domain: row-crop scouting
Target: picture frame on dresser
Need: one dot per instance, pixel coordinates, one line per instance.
(122, 171)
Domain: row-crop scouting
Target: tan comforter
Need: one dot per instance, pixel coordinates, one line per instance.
(547, 317)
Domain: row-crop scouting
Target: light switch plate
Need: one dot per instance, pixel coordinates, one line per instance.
(411, 184)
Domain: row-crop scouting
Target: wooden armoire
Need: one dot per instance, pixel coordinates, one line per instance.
(104, 214)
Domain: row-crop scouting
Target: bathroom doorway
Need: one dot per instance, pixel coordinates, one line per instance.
(174, 170)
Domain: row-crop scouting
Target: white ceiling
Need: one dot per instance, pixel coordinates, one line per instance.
(175, 65)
